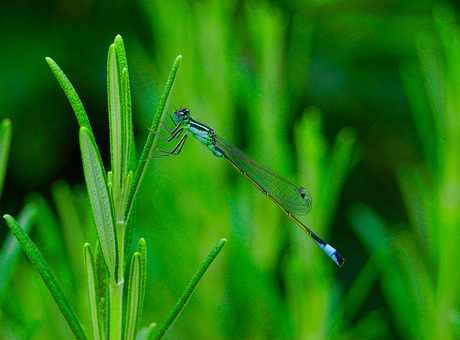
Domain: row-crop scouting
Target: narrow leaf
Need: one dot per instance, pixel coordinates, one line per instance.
(98, 192)
(136, 290)
(5, 141)
(130, 143)
(102, 283)
(10, 251)
(121, 54)
(116, 122)
(126, 100)
(71, 94)
(147, 332)
(189, 290)
(341, 160)
(72, 228)
(51, 240)
(142, 249)
(356, 296)
(129, 230)
(133, 297)
(47, 276)
(93, 293)
(370, 227)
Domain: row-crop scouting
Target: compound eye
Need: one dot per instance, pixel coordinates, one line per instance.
(186, 111)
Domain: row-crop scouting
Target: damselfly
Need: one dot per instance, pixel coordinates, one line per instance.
(290, 197)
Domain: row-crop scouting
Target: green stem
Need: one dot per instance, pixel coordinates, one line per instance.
(116, 304)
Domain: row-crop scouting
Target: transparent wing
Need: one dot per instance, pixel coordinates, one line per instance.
(291, 196)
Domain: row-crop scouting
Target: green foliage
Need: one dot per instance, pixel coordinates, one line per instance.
(189, 290)
(98, 192)
(71, 94)
(95, 303)
(5, 141)
(356, 101)
(136, 290)
(419, 272)
(47, 276)
(10, 251)
(111, 197)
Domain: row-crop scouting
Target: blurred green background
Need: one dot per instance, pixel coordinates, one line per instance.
(357, 100)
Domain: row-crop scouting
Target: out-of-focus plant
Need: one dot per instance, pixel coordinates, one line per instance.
(417, 263)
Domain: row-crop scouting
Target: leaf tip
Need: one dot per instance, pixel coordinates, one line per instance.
(118, 39)
(50, 61)
(6, 122)
(83, 130)
(141, 242)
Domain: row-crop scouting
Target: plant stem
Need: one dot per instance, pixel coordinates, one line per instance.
(116, 304)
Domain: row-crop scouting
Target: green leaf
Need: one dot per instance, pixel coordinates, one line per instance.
(415, 91)
(133, 297)
(71, 94)
(327, 165)
(50, 238)
(93, 292)
(102, 283)
(117, 124)
(47, 276)
(72, 227)
(98, 192)
(147, 332)
(151, 139)
(342, 159)
(189, 290)
(121, 53)
(129, 230)
(126, 99)
(9, 253)
(136, 290)
(131, 143)
(142, 249)
(357, 295)
(120, 123)
(5, 141)
(370, 228)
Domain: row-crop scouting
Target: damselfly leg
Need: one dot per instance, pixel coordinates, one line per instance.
(175, 133)
(175, 151)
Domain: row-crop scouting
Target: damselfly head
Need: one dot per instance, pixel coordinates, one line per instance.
(181, 115)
